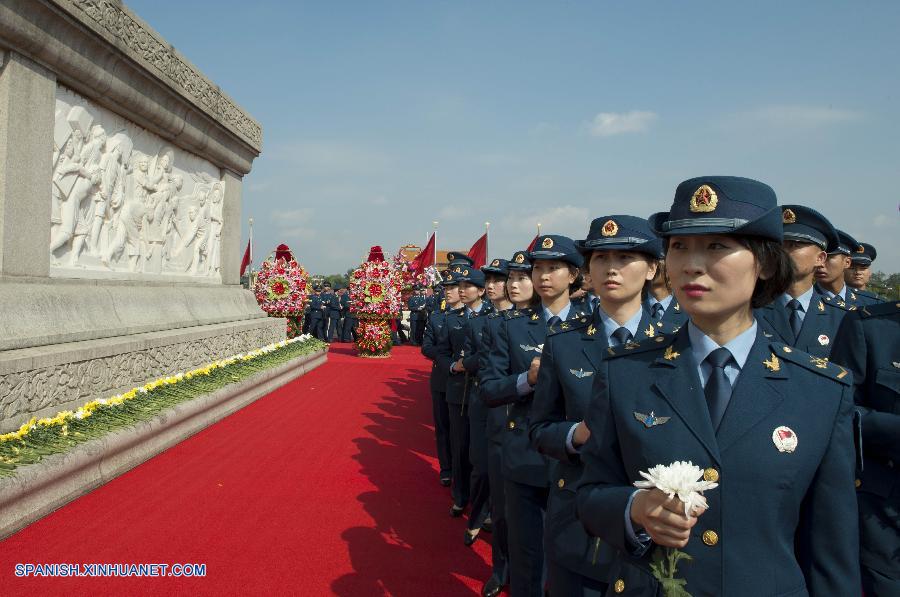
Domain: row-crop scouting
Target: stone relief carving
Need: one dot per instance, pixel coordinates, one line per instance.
(30, 391)
(125, 201)
(111, 17)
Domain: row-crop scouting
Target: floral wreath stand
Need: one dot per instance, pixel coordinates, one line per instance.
(281, 289)
(373, 336)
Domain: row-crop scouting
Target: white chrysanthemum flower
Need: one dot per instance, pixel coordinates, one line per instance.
(683, 479)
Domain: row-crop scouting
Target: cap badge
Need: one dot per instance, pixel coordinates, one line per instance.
(465, 272)
(784, 439)
(610, 228)
(519, 258)
(788, 217)
(860, 249)
(704, 200)
(451, 256)
(495, 263)
(547, 244)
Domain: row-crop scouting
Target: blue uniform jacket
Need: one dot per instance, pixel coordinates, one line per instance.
(417, 310)
(315, 306)
(569, 361)
(868, 343)
(519, 338)
(451, 346)
(780, 522)
(673, 317)
(332, 304)
(819, 326)
(429, 349)
(496, 415)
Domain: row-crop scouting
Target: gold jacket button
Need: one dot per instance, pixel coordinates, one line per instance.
(561, 483)
(857, 483)
(710, 538)
(711, 475)
(619, 586)
(512, 424)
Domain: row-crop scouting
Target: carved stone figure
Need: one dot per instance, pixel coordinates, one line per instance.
(120, 198)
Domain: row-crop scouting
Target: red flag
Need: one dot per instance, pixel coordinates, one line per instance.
(425, 258)
(246, 260)
(478, 252)
(533, 242)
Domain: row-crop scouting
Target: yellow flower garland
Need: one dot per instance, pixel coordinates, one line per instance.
(62, 418)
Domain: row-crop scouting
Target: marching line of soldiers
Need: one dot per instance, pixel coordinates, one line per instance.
(730, 332)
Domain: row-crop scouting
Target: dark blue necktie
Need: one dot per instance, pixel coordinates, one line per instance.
(718, 388)
(656, 312)
(594, 302)
(553, 321)
(795, 319)
(621, 336)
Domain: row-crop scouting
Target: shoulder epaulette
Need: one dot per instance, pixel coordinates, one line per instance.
(818, 365)
(879, 309)
(569, 325)
(648, 344)
(514, 313)
(837, 302)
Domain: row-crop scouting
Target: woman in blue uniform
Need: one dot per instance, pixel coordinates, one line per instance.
(450, 346)
(509, 378)
(771, 424)
(520, 291)
(438, 378)
(621, 256)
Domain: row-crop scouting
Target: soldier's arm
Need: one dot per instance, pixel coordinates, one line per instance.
(549, 429)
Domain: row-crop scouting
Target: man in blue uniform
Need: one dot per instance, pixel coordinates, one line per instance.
(332, 305)
(830, 275)
(868, 344)
(418, 314)
(858, 274)
(348, 325)
(316, 313)
(802, 317)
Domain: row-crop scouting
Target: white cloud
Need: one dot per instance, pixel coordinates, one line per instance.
(801, 115)
(295, 224)
(607, 124)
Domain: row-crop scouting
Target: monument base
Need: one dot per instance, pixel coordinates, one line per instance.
(68, 342)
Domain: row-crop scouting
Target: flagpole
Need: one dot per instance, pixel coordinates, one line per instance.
(435, 225)
(250, 265)
(487, 239)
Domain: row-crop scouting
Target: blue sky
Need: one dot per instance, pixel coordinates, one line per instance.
(379, 117)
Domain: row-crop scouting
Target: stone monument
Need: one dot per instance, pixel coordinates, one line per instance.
(120, 207)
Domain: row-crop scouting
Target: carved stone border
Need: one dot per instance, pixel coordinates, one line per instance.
(39, 489)
(115, 20)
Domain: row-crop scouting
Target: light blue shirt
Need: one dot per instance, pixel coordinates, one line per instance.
(842, 294)
(652, 300)
(610, 325)
(522, 385)
(701, 345)
(804, 300)
(739, 347)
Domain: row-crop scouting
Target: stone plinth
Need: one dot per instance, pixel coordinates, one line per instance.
(121, 171)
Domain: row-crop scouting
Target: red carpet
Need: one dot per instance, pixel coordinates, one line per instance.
(326, 486)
